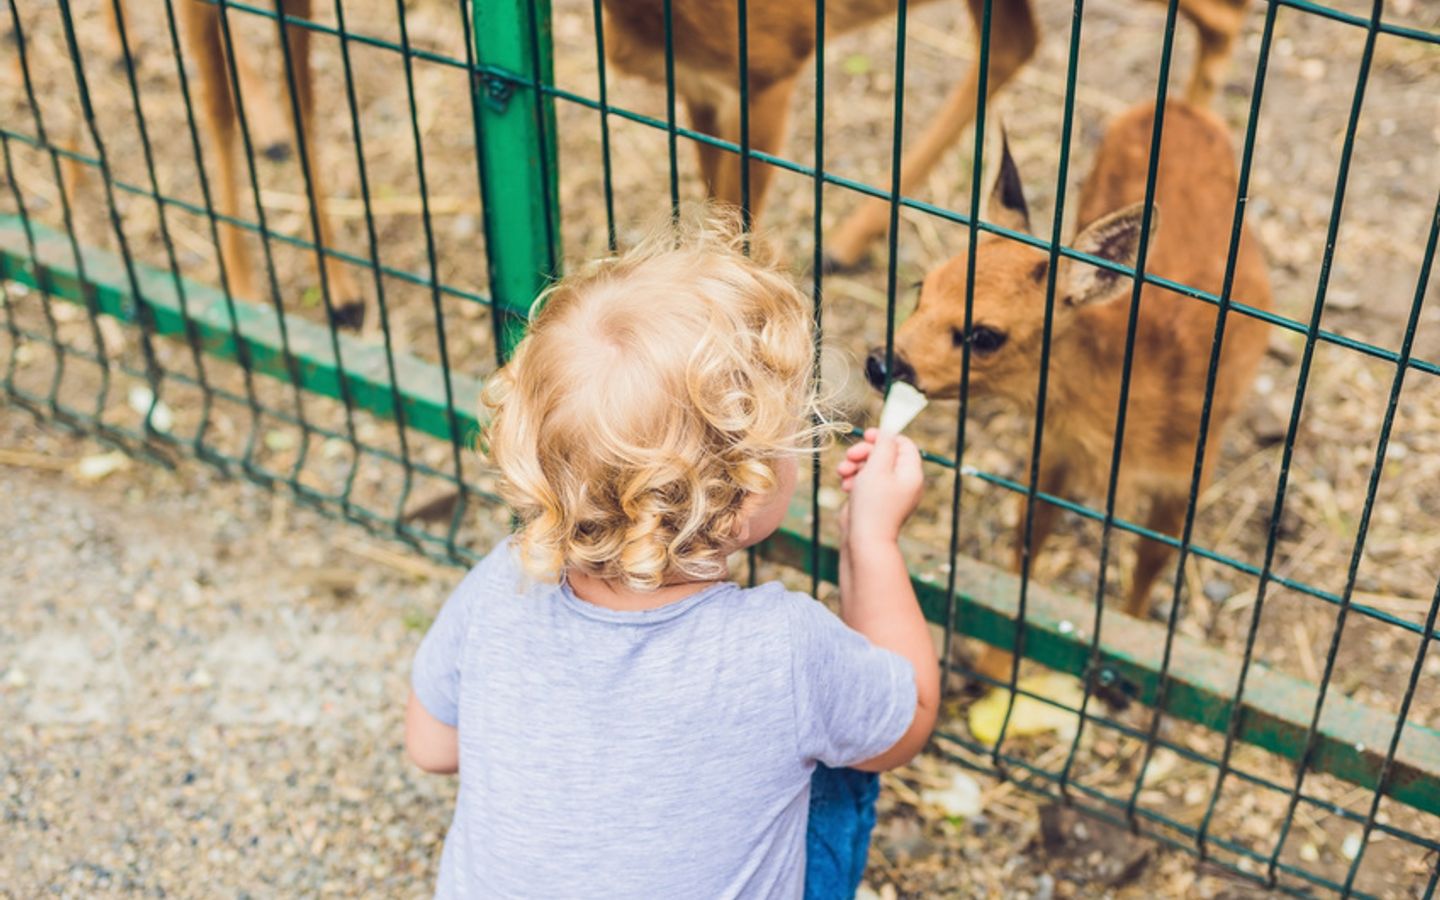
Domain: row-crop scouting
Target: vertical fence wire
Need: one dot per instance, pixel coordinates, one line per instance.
(61, 349)
(1252, 131)
(303, 151)
(742, 32)
(192, 336)
(433, 267)
(817, 279)
(142, 316)
(67, 212)
(242, 349)
(1400, 719)
(1132, 322)
(1146, 220)
(7, 300)
(292, 365)
(962, 415)
(603, 113)
(1332, 230)
(1052, 273)
(373, 247)
(668, 11)
(893, 234)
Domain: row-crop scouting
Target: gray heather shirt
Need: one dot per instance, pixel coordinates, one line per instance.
(657, 754)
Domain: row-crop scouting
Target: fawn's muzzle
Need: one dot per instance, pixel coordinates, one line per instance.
(875, 369)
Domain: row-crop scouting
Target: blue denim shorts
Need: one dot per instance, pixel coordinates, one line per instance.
(842, 815)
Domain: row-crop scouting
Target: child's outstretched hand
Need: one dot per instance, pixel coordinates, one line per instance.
(882, 475)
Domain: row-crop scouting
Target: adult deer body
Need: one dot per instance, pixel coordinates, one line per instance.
(1195, 199)
(781, 39)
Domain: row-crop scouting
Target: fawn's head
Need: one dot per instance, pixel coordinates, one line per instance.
(1008, 314)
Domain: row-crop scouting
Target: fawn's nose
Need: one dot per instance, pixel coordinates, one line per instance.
(875, 369)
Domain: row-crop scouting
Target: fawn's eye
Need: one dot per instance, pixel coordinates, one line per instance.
(983, 339)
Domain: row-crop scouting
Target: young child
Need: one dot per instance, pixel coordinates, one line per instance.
(625, 721)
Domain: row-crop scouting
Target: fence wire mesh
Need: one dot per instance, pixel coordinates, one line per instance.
(147, 152)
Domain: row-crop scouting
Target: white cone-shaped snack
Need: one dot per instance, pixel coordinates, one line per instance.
(902, 404)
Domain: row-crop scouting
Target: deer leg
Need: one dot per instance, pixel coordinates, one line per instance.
(11, 43)
(705, 119)
(200, 24)
(769, 119)
(1014, 35)
(115, 16)
(267, 122)
(1217, 22)
(994, 662)
(1167, 513)
(347, 303)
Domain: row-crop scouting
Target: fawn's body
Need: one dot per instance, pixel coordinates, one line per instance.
(781, 39)
(1195, 200)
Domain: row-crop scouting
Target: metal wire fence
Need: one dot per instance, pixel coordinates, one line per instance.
(373, 426)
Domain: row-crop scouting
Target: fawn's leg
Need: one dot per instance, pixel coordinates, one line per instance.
(347, 301)
(200, 25)
(994, 662)
(267, 122)
(705, 119)
(1014, 35)
(1167, 514)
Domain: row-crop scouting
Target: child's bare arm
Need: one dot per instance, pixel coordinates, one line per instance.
(430, 743)
(882, 475)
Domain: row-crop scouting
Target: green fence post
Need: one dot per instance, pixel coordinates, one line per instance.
(515, 137)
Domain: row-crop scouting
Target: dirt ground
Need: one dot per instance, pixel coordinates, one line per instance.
(1394, 179)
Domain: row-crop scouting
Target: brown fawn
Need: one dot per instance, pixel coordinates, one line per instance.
(781, 39)
(203, 34)
(1194, 209)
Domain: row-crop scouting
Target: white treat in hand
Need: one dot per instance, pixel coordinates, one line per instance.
(902, 404)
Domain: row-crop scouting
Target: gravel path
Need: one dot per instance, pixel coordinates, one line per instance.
(202, 688)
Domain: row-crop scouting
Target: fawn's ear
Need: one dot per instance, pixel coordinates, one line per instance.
(1006, 206)
(1114, 237)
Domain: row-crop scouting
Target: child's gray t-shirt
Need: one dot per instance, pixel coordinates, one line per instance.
(664, 753)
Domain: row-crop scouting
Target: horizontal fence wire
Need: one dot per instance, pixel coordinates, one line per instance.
(330, 389)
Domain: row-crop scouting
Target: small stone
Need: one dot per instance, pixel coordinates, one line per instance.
(99, 466)
(1044, 886)
(1351, 845)
(201, 678)
(14, 677)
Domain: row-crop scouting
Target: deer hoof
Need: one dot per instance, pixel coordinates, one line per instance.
(834, 265)
(349, 315)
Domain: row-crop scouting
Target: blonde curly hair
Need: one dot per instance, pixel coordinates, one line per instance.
(653, 394)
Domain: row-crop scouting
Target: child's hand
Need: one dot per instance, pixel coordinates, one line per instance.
(883, 477)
